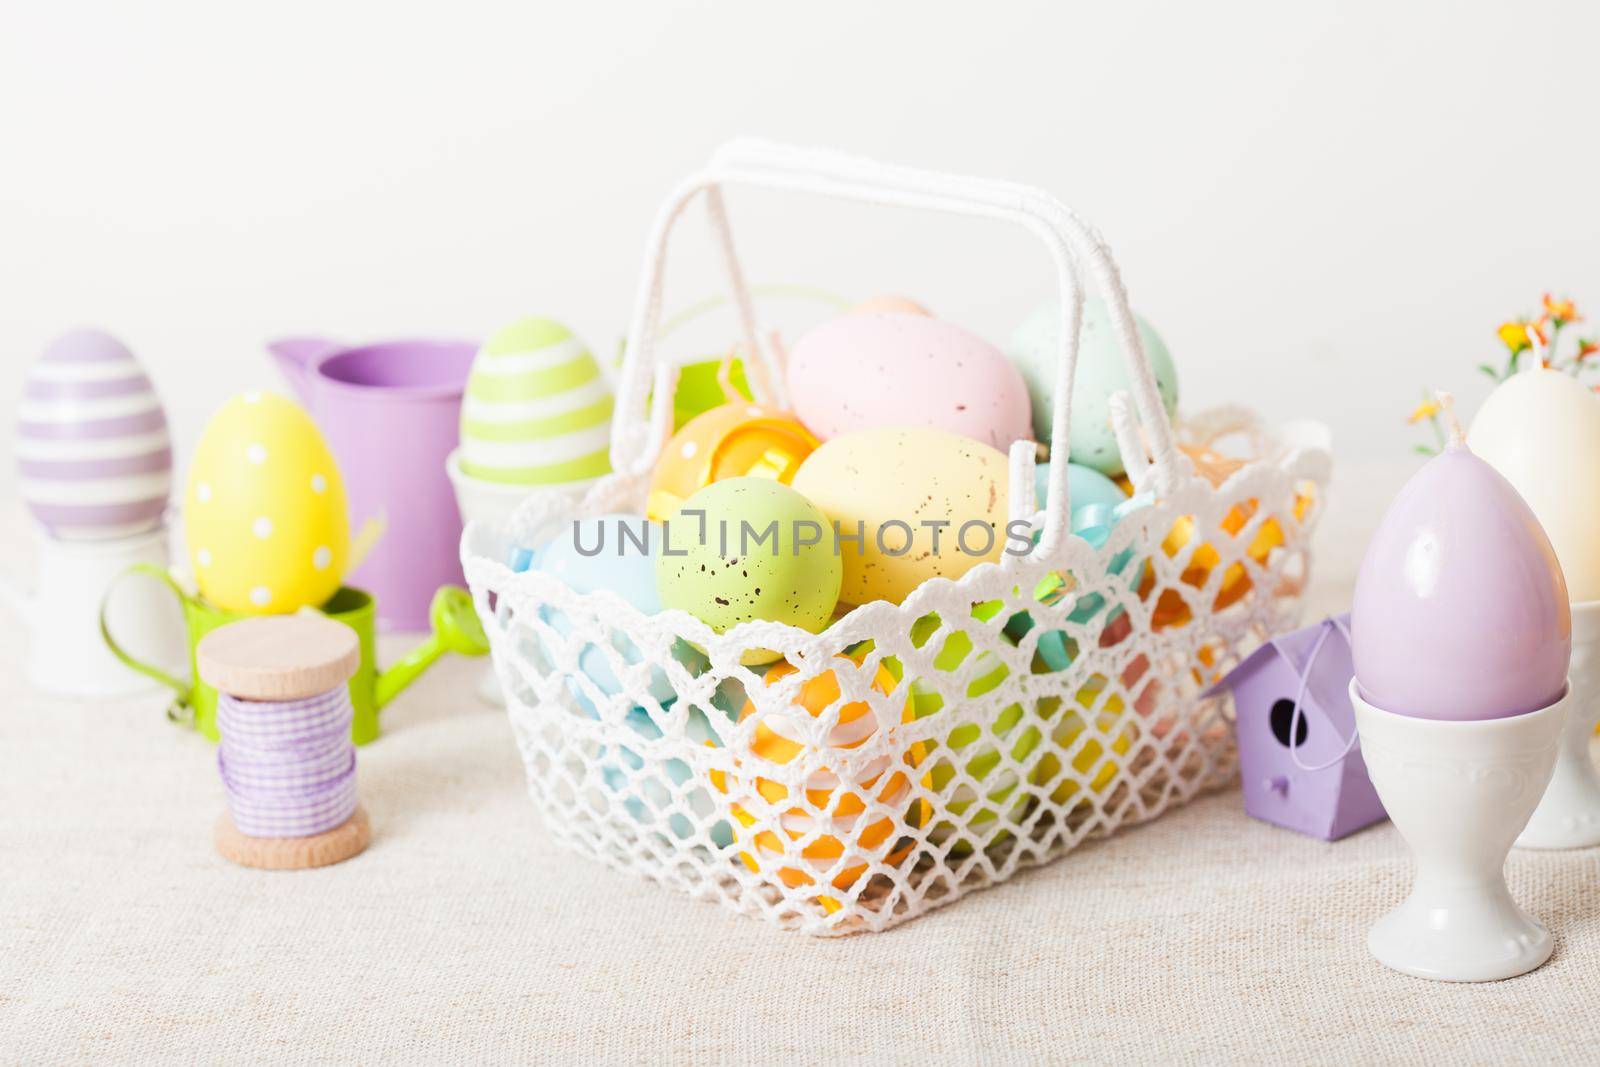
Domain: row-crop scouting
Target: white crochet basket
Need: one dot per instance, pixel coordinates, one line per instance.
(982, 726)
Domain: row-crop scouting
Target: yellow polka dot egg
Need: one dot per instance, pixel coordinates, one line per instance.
(265, 518)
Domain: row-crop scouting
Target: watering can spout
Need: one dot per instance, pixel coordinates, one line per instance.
(295, 357)
(455, 626)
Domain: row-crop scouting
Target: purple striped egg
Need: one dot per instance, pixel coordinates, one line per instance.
(92, 446)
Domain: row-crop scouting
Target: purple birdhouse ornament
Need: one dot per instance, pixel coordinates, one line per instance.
(1296, 730)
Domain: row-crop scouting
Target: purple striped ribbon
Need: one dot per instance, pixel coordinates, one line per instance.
(288, 767)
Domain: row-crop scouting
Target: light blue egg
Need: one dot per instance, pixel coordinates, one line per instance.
(1085, 486)
(646, 800)
(1102, 370)
(523, 558)
(593, 555)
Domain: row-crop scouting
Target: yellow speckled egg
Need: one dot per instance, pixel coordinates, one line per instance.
(265, 517)
(926, 504)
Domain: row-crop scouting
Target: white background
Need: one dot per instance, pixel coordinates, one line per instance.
(1322, 207)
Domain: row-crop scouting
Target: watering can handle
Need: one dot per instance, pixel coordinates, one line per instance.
(185, 690)
(393, 679)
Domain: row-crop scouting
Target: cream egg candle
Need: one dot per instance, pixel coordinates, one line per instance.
(1541, 429)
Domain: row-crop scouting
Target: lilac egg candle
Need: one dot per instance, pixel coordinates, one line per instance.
(1460, 606)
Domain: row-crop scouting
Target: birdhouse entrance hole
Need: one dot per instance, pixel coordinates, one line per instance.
(1282, 716)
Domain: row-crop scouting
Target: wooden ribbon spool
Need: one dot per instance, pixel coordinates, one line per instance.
(283, 658)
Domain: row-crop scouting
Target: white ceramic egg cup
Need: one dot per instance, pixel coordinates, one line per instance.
(75, 592)
(1459, 793)
(1569, 814)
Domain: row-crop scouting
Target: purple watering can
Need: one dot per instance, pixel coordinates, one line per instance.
(391, 413)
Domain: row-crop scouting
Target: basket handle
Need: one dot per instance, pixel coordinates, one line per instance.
(637, 438)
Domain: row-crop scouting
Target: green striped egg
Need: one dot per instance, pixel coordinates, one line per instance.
(537, 409)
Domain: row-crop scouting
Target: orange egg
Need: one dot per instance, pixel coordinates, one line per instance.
(842, 855)
(1172, 609)
(733, 440)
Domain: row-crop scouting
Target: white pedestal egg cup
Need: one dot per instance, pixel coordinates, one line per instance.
(1459, 793)
(1569, 814)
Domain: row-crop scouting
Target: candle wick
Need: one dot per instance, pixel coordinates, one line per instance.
(1447, 404)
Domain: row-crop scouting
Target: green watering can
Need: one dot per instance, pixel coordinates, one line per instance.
(451, 616)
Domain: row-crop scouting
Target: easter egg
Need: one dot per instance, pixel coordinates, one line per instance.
(537, 410)
(1085, 486)
(658, 791)
(748, 560)
(973, 819)
(1171, 608)
(926, 504)
(880, 370)
(265, 517)
(1102, 370)
(733, 440)
(836, 798)
(616, 553)
(92, 450)
(889, 304)
(1460, 610)
(1084, 739)
(1541, 429)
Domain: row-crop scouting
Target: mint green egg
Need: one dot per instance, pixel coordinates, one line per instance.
(748, 558)
(1102, 370)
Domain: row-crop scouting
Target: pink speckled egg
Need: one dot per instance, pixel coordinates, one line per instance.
(860, 372)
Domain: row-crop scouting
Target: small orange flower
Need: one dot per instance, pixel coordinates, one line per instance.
(1425, 410)
(1587, 347)
(1562, 311)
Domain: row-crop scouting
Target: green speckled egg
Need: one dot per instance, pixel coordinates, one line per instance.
(1102, 371)
(742, 563)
